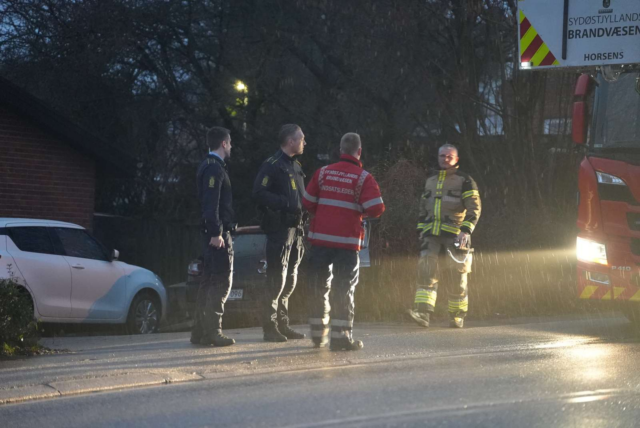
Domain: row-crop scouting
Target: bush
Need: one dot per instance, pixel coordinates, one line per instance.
(17, 326)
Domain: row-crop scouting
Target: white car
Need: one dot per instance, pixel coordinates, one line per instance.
(72, 278)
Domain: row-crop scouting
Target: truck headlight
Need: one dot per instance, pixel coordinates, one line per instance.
(605, 178)
(591, 251)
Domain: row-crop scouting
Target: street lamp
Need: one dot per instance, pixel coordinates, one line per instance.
(242, 101)
(241, 87)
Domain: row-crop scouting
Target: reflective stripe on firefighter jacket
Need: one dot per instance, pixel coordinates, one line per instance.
(337, 197)
(450, 203)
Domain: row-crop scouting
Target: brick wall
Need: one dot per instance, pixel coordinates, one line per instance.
(41, 176)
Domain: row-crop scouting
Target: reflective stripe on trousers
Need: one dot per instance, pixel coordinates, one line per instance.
(427, 297)
(435, 266)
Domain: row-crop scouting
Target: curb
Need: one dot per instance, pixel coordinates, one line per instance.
(84, 386)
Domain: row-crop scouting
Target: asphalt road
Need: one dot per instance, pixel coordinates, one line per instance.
(573, 372)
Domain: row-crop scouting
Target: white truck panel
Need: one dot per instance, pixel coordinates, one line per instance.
(599, 32)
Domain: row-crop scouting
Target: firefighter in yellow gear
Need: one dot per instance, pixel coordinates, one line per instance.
(449, 211)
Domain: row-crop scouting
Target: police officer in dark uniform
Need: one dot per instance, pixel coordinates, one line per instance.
(278, 190)
(214, 193)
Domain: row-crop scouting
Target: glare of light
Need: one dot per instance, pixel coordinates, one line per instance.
(591, 251)
(588, 399)
(593, 374)
(591, 352)
(240, 86)
(563, 343)
(526, 65)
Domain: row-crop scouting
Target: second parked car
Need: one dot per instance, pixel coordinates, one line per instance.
(244, 303)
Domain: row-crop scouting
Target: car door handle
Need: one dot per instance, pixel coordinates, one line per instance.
(77, 266)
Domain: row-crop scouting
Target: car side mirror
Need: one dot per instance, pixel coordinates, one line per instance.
(115, 254)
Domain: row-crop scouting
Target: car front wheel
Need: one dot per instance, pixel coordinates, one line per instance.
(144, 315)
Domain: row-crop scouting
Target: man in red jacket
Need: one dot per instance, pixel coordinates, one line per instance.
(337, 198)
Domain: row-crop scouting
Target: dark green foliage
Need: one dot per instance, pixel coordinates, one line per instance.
(18, 328)
(407, 75)
(410, 75)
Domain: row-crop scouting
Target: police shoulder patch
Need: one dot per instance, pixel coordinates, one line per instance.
(265, 180)
(212, 182)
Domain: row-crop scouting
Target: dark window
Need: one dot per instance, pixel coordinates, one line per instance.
(78, 243)
(32, 239)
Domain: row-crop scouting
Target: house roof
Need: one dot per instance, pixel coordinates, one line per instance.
(27, 105)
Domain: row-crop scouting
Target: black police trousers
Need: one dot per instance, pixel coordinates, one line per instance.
(337, 269)
(285, 249)
(214, 288)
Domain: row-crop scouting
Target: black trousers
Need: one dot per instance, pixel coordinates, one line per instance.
(337, 269)
(214, 289)
(285, 250)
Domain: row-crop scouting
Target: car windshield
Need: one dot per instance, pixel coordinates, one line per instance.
(617, 114)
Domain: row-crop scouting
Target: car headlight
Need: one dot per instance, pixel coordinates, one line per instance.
(591, 251)
(605, 178)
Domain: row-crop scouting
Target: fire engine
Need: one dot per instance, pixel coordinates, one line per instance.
(601, 40)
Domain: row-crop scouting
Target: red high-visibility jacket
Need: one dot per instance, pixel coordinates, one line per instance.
(337, 197)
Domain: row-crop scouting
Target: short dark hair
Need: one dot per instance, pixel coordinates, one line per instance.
(215, 136)
(287, 131)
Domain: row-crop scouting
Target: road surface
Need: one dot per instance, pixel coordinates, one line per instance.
(570, 371)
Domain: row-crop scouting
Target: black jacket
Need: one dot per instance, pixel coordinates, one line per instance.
(279, 185)
(214, 193)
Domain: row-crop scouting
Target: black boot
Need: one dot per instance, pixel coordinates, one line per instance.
(221, 340)
(218, 339)
(422, 318)
(196, 333)
(290, 333)
(195, 337)
(346, 344)
(320, 342)
(272, 334)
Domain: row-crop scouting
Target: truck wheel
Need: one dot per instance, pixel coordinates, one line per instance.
(144, 314)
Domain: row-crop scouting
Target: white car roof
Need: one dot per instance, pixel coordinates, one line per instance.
(4, 222)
